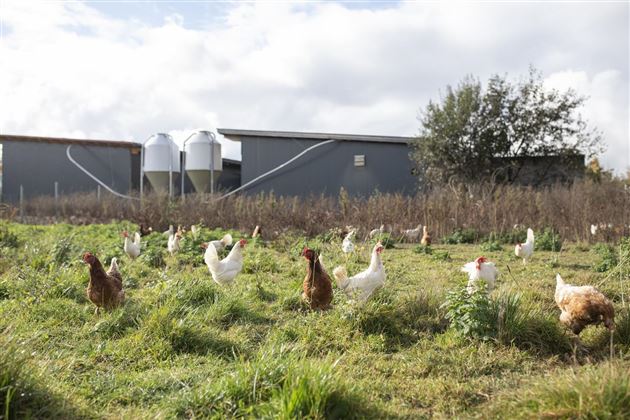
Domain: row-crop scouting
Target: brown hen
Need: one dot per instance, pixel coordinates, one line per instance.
(105, 288)
(317, 286)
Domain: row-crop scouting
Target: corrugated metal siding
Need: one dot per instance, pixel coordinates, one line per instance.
(326, 169)
(37, 166)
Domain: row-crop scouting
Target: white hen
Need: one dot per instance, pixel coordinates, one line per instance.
(362, 285)
(169, 232)
(224, 271)
(480, 269)
(173, 242)
(347, 246)
(412, 235)
(525, 250)
(223, 242)
(131, 248)
(376, 232)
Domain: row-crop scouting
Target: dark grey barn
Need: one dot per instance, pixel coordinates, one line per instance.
(36, 163)
(361, 164)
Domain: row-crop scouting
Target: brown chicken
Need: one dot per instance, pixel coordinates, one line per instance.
(105, 288)
(426, 238)
(144, 231)
(317, 286)
(582, 306)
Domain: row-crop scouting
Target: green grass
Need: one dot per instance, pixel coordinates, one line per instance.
(183, 346)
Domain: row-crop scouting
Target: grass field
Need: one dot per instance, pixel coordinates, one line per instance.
(184, 346)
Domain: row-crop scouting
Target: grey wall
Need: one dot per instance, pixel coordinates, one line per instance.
(328, 168)
(229, 179)
(37, 166)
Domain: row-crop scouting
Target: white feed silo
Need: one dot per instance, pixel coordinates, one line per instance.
(161, 161)
(202, 160)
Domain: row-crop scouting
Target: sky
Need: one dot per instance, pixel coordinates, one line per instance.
(128, 69)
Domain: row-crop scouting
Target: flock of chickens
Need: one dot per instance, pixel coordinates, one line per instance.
(580, 306)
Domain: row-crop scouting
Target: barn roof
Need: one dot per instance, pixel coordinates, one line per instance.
(239, 135)
(60, 140)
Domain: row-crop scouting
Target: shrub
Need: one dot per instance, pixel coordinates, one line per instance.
(491, 246)
(461, 236)
(548, 240)
(8, 239)
(423, 249)
(607, 258)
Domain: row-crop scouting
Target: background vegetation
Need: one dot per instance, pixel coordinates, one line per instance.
(479, 211)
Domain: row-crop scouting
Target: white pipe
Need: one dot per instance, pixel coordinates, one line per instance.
(277, 168)
(98, 181)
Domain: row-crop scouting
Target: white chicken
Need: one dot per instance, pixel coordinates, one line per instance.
(480, 269)
(169, 232)
(131, 248)
(412, 235)
(222, 243)
(174, 242)
(377, 232)
(525, 250)
(347, 246)
(224, 271)
(593, 229)
(195, 229)
(362, 285)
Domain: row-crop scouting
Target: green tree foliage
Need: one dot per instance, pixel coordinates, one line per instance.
(474, 134)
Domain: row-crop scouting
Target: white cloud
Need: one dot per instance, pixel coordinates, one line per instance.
(70, 69)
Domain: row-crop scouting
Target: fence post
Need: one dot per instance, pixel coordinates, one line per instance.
(56, 198)
(21, 202)
(98, 193)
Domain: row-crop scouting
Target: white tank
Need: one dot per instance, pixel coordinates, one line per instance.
(161, 154)
(203, 160)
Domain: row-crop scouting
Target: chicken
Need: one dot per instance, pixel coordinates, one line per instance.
(317, 286)
(144, 231)
(347, 246)
(525, 250)
(594, 230)
(582, 306)
(173, 242)
(377, 232)
(426, 238)
(480, 269)
(412, 235)
(222, 243)
(104, 289)
(195, 230)
(362, 285)
(131, 248)
(169, 232)
(224, 271)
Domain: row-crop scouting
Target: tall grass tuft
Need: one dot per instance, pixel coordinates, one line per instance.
(592, 392)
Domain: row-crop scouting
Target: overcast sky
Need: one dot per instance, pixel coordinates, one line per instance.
(126, 70)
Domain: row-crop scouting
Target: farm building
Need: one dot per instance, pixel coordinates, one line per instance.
(36, 163)
(361, 164)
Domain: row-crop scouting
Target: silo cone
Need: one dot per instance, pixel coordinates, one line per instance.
(201, 148)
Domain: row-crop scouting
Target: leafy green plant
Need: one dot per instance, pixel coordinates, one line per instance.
(461, 236)
(440, 255)
(548, 240)
(423, 249)
(470, 314)
(8, 239)
(491, 246)
(607, 258)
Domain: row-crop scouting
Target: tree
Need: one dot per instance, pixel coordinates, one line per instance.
(474, 134)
